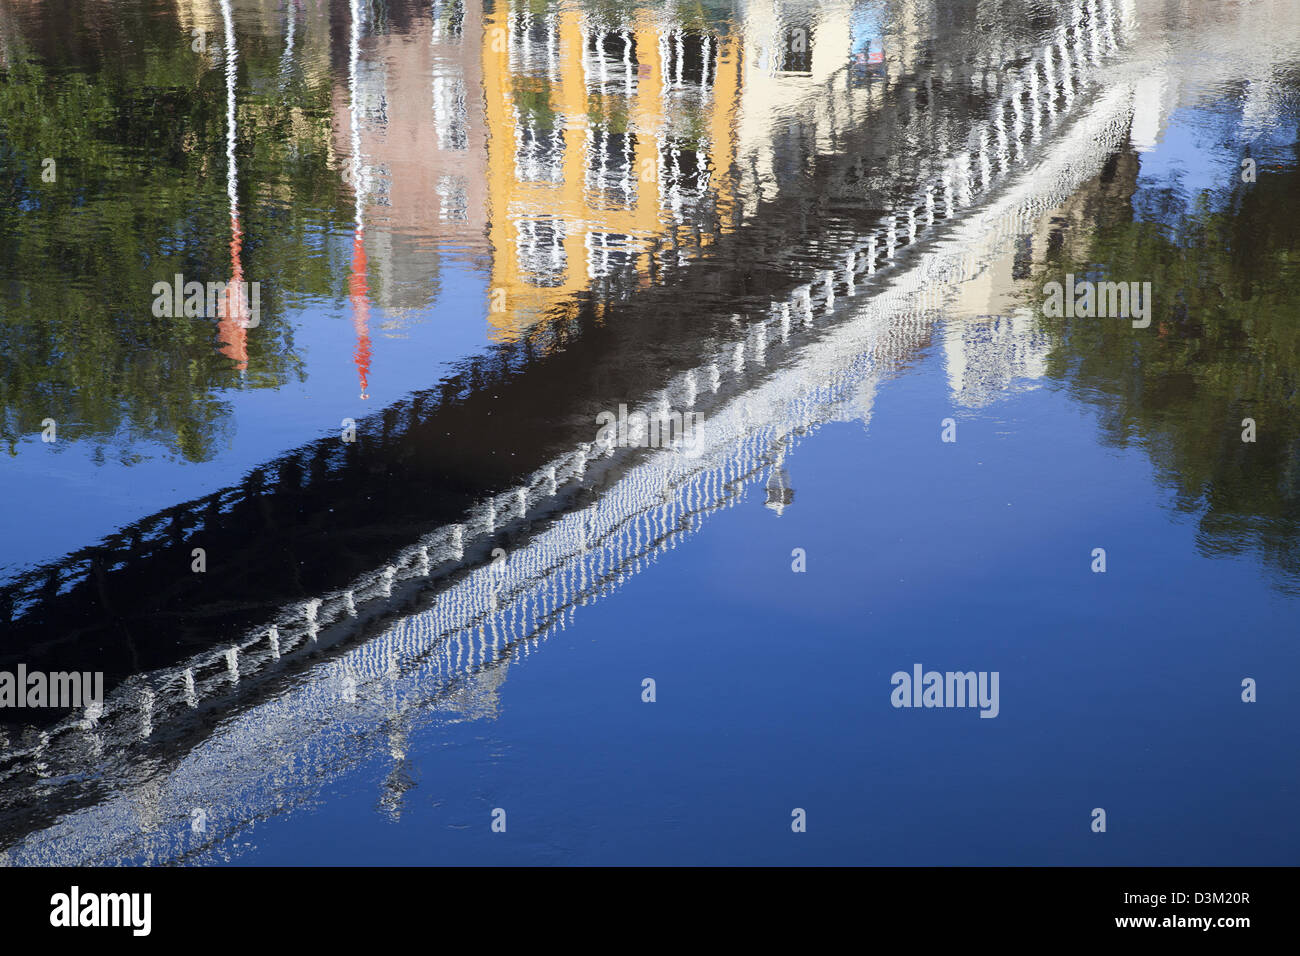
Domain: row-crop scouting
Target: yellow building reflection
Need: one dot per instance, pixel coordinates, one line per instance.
(609, 144)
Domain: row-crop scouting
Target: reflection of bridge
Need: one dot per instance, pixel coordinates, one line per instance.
(365, 498)
(578, 526)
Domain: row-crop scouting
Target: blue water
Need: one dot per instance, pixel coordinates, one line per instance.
(99, 487)
(771, 627)
(1118, 690)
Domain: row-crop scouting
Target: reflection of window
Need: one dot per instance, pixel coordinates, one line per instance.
(450, 117)
(540, 246)
(609, 61)
(689, 59)
(539, 154)
(534, 44)
(453, 199)
(683, 174)
(610, 170)
(796, 51)
(372, 97)
(609, 253)
(378, 185)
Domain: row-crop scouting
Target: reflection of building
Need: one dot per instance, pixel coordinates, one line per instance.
(421, 143)
(794, 96)
(604, 139)
(997, 340)
(986, 355)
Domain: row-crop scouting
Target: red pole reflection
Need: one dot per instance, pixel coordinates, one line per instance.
(232, 313)
(233, 325)
(360, 308)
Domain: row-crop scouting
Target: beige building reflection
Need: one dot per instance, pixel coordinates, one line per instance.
(421, 184)
(994, 340)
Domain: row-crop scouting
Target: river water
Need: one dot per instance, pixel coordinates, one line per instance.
(369, 583)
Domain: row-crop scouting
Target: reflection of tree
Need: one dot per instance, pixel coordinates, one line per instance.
(1223, 345)
(139, 196)
(533, 100)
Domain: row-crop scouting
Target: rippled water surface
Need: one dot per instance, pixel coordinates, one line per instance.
(368, 582)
